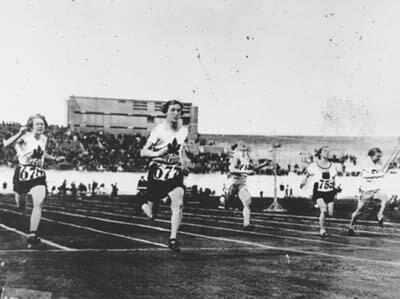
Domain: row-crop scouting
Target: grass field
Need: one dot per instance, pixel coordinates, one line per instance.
(102, 249)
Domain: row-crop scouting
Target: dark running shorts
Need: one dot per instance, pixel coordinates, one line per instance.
(326, 196)
(27, 177)
(162, 179)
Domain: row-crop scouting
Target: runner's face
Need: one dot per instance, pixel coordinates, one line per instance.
(38, 126)
(377, 157)
(325, 153)
(243, 150)
(174, 112)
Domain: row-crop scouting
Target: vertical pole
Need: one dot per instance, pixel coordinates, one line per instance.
(275, 207)
(275, 179)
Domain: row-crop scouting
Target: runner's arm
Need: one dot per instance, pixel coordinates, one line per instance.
(186, 163)
(261, 165)
(233, 167)
(13, 139)
(149, 153)
(305, 180)
(53, 158)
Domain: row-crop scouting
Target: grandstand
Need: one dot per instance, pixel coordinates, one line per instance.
(122, 115)
(133, 116)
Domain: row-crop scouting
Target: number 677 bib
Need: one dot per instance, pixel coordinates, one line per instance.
(165, 172)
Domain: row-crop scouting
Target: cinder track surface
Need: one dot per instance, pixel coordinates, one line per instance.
(102, 249)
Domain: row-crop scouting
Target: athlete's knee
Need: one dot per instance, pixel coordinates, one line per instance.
(246, 202)
(244, 195)
(357, 213)
(323, 213)
(176, 196)
(383, 197)
(178, 192)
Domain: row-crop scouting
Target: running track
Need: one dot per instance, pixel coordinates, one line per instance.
(284, 242)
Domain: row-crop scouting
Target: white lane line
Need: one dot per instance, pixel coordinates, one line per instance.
(336, 221)
(99, 250)
(261, 226)
(292, 224)
(340, 220)
(223, 229)
(45, 241)
(212, 217)
(95, 230)
(262, 220)
(379, 234)
(232, 240)
(249, 243)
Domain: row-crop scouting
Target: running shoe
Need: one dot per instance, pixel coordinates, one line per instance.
(174, 245)
(147, 211)
(248, 228)
(33, 240)
(380, 221)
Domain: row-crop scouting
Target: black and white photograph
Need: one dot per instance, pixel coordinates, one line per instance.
(199, 149)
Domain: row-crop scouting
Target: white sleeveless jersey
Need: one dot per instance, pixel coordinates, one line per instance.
(371, 171)
(30, 151)
(164, 137)
(242, 163)
(325, 177)
(372, 176)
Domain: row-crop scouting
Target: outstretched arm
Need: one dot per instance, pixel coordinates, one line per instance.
(261, 165)
(305, 180)
(53, 158)
(13, 139)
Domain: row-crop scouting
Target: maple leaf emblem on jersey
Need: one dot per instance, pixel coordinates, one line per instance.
(37, 153)
(172, 156)
(173, 148)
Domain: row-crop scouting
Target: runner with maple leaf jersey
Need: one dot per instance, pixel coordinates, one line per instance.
(29, 176)
(166, 146)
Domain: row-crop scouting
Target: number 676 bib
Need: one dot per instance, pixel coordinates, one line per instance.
(29, 173)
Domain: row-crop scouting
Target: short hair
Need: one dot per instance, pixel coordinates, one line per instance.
(318, 152)
(29, 123)
(165, 107)
(373, 151)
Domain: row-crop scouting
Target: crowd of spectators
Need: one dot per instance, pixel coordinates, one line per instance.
(93, 151)
(101, 151)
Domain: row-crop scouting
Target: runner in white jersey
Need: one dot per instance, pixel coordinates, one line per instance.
(166, 146)
(240, 167)
(323, 174)
(29, 176)
(371, 187)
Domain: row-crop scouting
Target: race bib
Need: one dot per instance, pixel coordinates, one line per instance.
(326, 185)
(244, 167)
(28, 173)
(165, 172)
